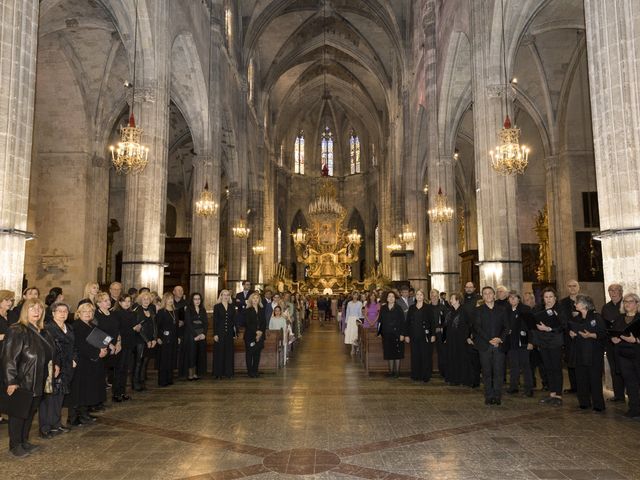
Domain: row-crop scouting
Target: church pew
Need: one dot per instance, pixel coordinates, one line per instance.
(270, 358)
(373, 357)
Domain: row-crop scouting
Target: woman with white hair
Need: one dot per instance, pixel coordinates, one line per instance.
(589, 334)
(627, 349)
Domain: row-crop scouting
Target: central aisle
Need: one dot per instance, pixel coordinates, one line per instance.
(323, 418)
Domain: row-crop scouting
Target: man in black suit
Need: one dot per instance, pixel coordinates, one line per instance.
(469, 304)
(490, 330)
(568, 312)
(241, 302)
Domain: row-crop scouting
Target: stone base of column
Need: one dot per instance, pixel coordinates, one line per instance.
(620, 250)
(501, 272)
(12, 249)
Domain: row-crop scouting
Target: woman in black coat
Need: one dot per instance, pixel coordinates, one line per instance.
(457, 329)
(391, 326)
(549, 338)
(588, 334)
(145, 341)
(224, 331)
(50, 412)
(109, 324)
(196, 325)
(87, 387)
(26, 354)
(255, 326)
(127, 321)
(167, 325)
(627, 350)
(420, 330)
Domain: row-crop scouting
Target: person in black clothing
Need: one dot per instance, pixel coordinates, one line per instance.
(6, 302)
(196, 325)
(420, 330)
(26, 354)
(253, 334)
(627, 350)
(391, 328)
(502, 296)
(469, 304)
(456, 343)
(166, 324)
(180, 351)
(54, 295)
(438, 312)
(109, 324)
(241, 302)
(589, 334)
(87, 387)
(115, 292)
(145, 341)
(224, 331)
(490, 328)
(518, 344)
(28, 293)
(63, 339)
(610, 314)
(127, 320)
(568, 312)
(549, 338)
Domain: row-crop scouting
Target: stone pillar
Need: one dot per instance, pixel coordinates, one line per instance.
(237, 256)
(613, 39)
(445, 263)
(256, 204)
(18, 46)
(499, 249)
(205, 234)
(146, 192)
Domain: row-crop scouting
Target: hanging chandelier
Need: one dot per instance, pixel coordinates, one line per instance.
(206, 206)
(130, 156)
(441, 212)
(354, 237)
(259, 248)
(241, 230)
(395, 245)
(509, 157)
(407, 236)
(299, 237)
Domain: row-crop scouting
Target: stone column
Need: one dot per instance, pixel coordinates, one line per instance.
(18, 46)
(256, 204)
(146, 192)
(499, 249)
(237, 256)
(613, 47)
(445, 263)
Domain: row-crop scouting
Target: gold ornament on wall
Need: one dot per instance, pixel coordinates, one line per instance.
(543, 272)
(462, 237)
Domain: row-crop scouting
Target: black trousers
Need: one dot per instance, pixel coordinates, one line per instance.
(19, 428)
(198, 358)
(421, 361)
(138, 371)
(50, 412)
(252, 356)
(568, 358)
(616, 373)
(630, 370)
(125, 361)
(519, 364)
(442, 356)
(474, 361)
(589, 384)
(552, 360)
(223, 357)
(535, 360)
(492, 361)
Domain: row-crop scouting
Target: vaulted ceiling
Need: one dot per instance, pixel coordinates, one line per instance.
(354, 47)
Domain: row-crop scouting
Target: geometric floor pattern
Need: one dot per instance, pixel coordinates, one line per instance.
(322, 418)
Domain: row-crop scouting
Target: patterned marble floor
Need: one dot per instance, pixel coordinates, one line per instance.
(322, 418)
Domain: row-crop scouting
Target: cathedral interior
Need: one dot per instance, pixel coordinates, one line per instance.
(393, 107)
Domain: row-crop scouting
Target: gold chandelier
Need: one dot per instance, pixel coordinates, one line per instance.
(259, 248)
(206, 206)
(442, 212)
(299, 237)
(509, 157)
(354, 237)
(396, 244)
(130, 156)
(407, 236)
(241, 230)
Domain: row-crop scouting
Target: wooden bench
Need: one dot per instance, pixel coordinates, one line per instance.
(372, 354)
(270, 357)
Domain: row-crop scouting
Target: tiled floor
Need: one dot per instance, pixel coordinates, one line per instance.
(322, 418)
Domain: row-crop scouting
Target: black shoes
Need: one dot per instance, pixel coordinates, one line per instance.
(117, 398)
(29, 447)
(569, 390)
(492, 401)
(19, 452)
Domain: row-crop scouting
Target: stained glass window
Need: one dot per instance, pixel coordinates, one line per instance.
(299, 154)
(327, 150)
(354, 153)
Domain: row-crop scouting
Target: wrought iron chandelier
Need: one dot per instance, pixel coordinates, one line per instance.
(441, 212)
(259, 248)
(130, 156)
(206, 206)
(241, 230)
(509, 157)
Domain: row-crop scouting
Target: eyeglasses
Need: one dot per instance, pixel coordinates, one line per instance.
(630, 301)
